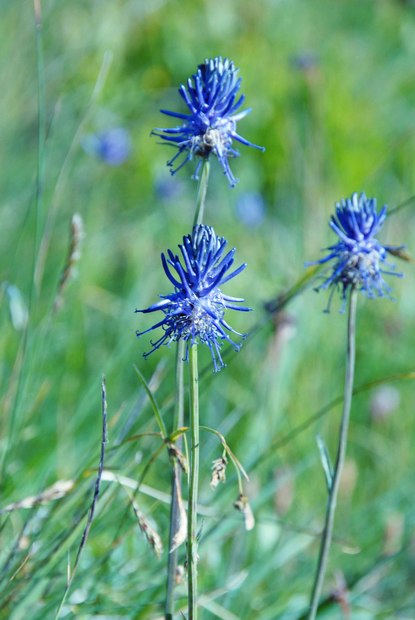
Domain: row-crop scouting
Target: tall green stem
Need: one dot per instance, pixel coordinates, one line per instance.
(21, 359)
(194, 464)
(201, 194)
(41, 139)
(341, 454)
(193, 486)
(175, 484)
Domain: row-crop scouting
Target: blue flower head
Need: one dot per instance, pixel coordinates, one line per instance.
(212, 99)
(250, 209)
(359, 259)
(195, 311)
(112, 146)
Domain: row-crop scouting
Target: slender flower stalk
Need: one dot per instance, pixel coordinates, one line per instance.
(175, 485)
(341, 454)
(192, 557)
(358, 264)
(179, 422)
(201, 194)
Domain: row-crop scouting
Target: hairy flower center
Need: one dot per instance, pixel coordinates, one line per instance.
(213, 140)
(361, 266)
(199, 316)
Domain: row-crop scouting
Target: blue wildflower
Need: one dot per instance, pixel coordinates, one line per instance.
(305, 61)
(167, 189)
(195, 311)
(358, 257)
(250, 209)
(112, 146)
(212, 98)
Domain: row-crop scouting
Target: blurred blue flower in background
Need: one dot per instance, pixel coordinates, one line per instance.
(195, 311)
(305, 61)
(358, 257)
(168, 189)
(250, 209)
(212, 98)
(112, 146)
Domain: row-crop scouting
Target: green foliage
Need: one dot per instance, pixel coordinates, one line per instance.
(342, 124)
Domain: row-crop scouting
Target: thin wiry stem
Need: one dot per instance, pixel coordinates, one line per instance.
(40, 141)
(193, 486)
(201, 193)
(341, 454)
(62, 178)
(104, 439)
(179, 422)
(40, 174)
(175, 484)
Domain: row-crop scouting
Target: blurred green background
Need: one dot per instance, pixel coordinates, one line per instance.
(332, 91)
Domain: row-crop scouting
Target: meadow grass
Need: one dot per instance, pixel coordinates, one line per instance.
(332, 91)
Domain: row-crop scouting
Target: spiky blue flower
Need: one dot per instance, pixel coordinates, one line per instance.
(195, 311)
(358, 257)
(209, 127)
